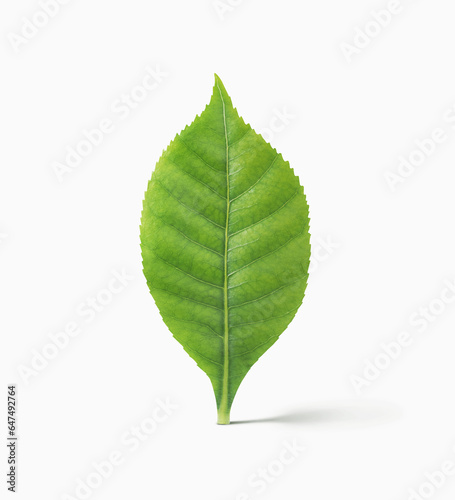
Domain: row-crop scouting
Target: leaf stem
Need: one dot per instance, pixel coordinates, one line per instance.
(224, 417)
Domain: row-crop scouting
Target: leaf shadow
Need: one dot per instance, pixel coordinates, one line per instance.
(335, 414)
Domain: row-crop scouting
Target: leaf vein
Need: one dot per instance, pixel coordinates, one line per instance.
(259, 180)
(270, 215)
(183, 271)
(238, 156)
(181, 169)
(184, 298)
(181, 232)
(255, 348)
(243, 245)
(268, 253)
(267, 319)
(270, 293)
(186, 206)
(225, 387)
(241, 138)
(195, 323)
(200, 157)
(201, 355)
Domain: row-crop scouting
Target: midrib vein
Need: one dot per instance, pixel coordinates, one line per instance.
(224, 395)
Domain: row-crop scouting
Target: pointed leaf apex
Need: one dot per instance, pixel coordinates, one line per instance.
(219, 85)
(220, 89)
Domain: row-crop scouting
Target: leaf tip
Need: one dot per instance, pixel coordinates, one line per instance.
(219, 86)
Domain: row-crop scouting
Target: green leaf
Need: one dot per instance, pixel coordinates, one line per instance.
(225, 244)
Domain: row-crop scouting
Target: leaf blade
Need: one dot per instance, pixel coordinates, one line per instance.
(225, 229)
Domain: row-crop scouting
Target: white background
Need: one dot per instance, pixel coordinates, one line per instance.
(391, 250)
